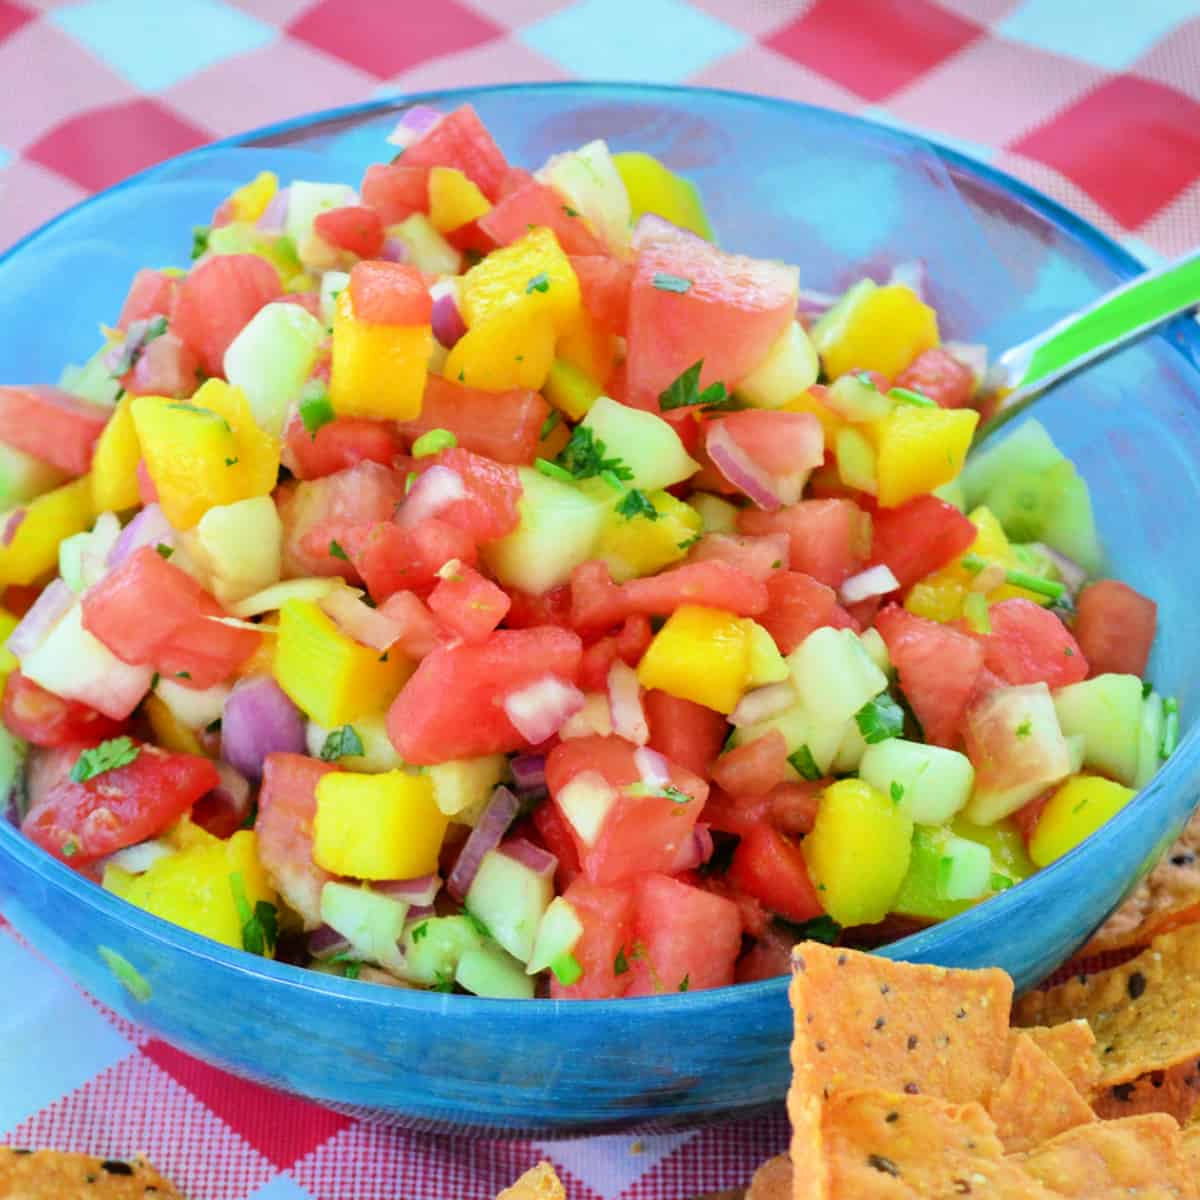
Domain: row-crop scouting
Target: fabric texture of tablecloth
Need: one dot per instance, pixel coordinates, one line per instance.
(1097, 102)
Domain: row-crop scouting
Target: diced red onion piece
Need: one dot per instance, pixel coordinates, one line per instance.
(695, 851)
(499, 813)
(911, 275)
(139, 858)
(653, 768)
(46, 612)
(972, 355)
(416, 121)
(625, 704)
(12, 523)
(149, 528)
(874, 581)
(448, 324)
(394, 250)
(325, 942)
(814, 304)
(274, 217)
(529, 772)
(420, 891)
(737, 467)
(540, 861)
(1073, 575)
(437, 488)
(361, 622)
(258, 720)
(539, 709)
(418, 912)
(763, 703)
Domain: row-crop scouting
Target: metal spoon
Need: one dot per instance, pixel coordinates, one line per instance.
(1024, 372)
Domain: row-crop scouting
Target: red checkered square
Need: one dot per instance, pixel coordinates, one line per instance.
(99, 148)
(755, 17)
(1134, 145)
(384, 39)
(874, 47)
(282, 1128)
(12, 17)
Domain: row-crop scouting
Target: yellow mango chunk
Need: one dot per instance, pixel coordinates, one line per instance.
(919, 449)
(640, 545)
(53, 516)
(571, 390)
(204, 452)
(700, 654)
(115, 460)
(8, 660)
(377, 370)
(511, 349)
(587, 346)
(169, 731)
(206, 888)
(654, 188)
(377, 826)
(858, 852)
(454, 199)
(332, 678)
(532, 275)
(883, 332)
(250, 201)
(1077, 809)
(831, 421)
(936, 598)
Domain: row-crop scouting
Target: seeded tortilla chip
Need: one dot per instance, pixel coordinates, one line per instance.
(1168, 898)
(1036, 1101)
(1072, 1048)
(900, 1026)
(1190, 1144)
(888, 1145)
(55, 1175)
(1145, 1013)
(538, 1183)
(773, 1180)
(1175, 1092)
(1112, 1160)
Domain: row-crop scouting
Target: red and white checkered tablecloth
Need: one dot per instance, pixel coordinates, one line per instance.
(1097, 102)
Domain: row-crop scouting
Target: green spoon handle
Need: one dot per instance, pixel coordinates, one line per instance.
(1118, 317)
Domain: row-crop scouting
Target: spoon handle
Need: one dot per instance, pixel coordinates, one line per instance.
(1026, 370)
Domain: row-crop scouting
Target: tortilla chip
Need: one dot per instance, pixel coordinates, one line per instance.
(1145, 1013)
(55, 1175)
(870, 1022)
(1072, 1048)
(1112, 1160)
(538, 1183)
(773, 1180)
(1168, 898)
(1175, 1092)
(804, 1100)
(888, 1145)
(1036, 1101)
(1190, 1143)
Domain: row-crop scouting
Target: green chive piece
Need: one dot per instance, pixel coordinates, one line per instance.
(1170, 739)
(433, 442)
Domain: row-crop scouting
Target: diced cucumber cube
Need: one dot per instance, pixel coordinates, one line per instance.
(558, 528)
(919, 894)
(83, 557)
(433, 945)
(833, 675)
(1028, 448)
(822, 738)
(645, 443)
(1070, 527)
(239, 547)
(965, 870)
(462, 788)
(1107, 711)
(488, 971)
(850, 751)
(952, 493)
(791, 367)
(929, 782)
(590, 183)
(1076, 748)
(876, 647)
(306, 201)
(510, 899)
(333, 284)
(858, 399)
(371, 922)
(428, 251)
(558, 934)
(830, 328)
(1150, 736)
(378, 756)
(193, 708)
(719, 516)
(93, 381)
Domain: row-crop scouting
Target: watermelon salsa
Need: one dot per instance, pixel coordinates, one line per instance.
(480, 581)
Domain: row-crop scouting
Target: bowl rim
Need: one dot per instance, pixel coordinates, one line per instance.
(79, 889)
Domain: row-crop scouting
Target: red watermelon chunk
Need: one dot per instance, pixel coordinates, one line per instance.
(797, 604)
(606, 914)
(1028, 644)
(1115, 627)
(829, 539)
(534, 203)
(460, 140)
(919, 537)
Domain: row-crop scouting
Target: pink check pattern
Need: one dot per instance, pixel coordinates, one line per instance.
(1096, 102)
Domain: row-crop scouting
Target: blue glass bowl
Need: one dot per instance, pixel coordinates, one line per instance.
(838, 196)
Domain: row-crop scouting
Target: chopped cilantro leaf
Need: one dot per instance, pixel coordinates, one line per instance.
(621, 963)
(880, 719)
(583, 457)
(567, 969)
(70, 848)
(445, 981)
(685, 982)
(896, 791)
(635, 504)
(316, 410)
(231, 462)
(804, 763)
(688, 543)
(409, 480)
(685, 392)
(183, 674)
(665, 282)
(154, 680)
(108, 756)
(335, 551)
(260, 924)
(676, 795)
(420, 931)
(571, 212)
(199, 240)
(352, 970)
(342, 742)
(539, 283)
(819, 929)
(1000, 883)
(1024, 729)
(163, 550)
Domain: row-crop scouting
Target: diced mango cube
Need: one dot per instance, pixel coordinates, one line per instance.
(168, 730)
(587, 346)
(654, 188)
(1077, 809)
(920, 449)
(115, 460)
(808, 402)
(53, 516)
(454, 200)
(8, 660)
(332, 678)
(936, 598)
(513, 348)
(204, 887)
(532, 275)
(250, 201)
(571, 390)
(885, 330)
(858, 852)
(640, 545)
(377, 370)
(377, 826)
(700, 654)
